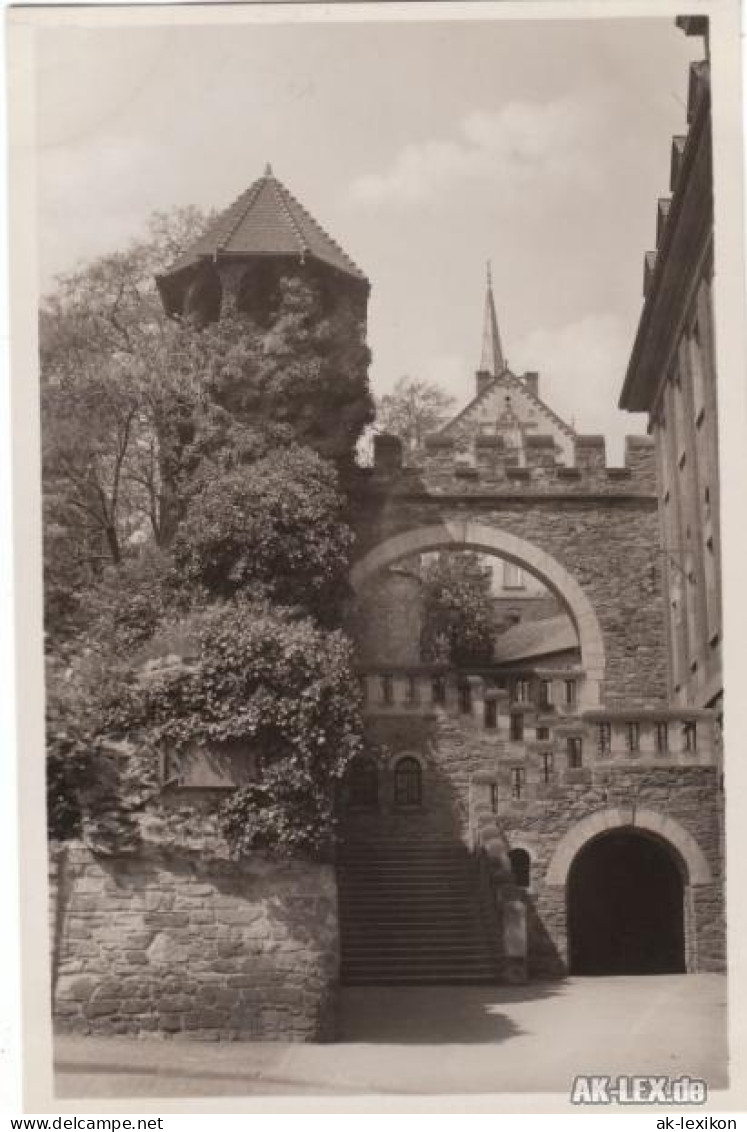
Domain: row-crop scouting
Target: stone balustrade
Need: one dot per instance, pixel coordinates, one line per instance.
(535, 718)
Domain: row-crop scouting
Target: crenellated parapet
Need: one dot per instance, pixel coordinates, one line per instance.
(491, 465)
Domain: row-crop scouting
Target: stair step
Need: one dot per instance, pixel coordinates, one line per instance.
(410, 915)
(396, 950)
(417, 980)
(420, 970)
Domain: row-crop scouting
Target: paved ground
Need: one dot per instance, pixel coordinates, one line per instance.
(436, 1040)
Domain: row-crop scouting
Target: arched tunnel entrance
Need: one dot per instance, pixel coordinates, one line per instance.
(625, 907)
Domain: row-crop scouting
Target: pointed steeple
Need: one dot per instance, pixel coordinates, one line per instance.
(492, 362)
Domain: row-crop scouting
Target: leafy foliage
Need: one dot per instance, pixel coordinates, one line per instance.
(412, 411)
(457, 610)
(260, 676)
(117, 406)
(274, 526)
(191, 480)
(306, 368)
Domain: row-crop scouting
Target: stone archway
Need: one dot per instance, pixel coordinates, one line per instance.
(669, 830)
(668, 877)
(492, 540)
(626, 906)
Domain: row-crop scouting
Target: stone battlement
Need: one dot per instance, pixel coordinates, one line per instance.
(489, 465)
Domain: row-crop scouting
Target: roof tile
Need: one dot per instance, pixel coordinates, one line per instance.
(266, 220)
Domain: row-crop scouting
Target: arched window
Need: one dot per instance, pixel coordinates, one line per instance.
(521, 867)
(408, 782)
(363, 784)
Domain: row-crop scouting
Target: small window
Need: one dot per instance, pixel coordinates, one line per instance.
(543, 734)
(690, 736)
(522, 690)
(491, 715)
(521, 867)
(604, 738)
(633, 737)
(494, 797)
(517, 727)
(518, 781)
(547, 767)
(387, 690)
(575, 752)
(465, 698)
(570, 693)
(412, 690)
(545, 693)
(438, 689)
(662, 738)
(408, 782)
(513, 579)
(363, 784)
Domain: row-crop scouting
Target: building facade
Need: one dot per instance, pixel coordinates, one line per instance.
(558, 810)
(672, 377)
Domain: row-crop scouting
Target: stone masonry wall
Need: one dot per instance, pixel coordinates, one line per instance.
(452, 751)
(690, 795)
(609, 546)
(177, 945)
(449, 751)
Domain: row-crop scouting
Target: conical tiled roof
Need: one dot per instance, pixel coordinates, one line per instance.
(267, 220)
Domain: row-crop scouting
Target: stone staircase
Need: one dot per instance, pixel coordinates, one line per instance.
(410, 914)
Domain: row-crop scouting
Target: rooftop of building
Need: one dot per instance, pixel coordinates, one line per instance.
(266, 220)
(531, 639)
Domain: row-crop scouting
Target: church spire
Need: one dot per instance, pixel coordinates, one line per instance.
(492, 362)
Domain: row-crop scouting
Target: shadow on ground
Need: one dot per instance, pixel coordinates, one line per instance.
(418, 1016)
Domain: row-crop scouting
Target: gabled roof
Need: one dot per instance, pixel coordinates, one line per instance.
(531, 639)
(512, 379)
(266, 220)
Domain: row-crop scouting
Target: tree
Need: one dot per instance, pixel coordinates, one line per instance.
(412, 411)
(116, 407)
(457, 610)
(193, 478)
(303, 366)
(274, 526)
(133, 402)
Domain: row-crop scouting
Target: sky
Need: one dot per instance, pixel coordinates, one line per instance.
(424, 148)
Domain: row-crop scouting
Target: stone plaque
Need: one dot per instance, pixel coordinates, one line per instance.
(211, 766)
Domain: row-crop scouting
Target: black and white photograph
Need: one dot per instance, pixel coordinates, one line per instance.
(378, 375)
